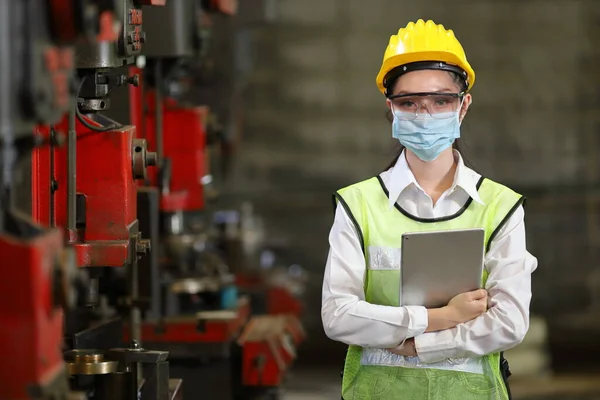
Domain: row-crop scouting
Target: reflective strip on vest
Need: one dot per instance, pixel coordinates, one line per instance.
(385, 358)
(383, 258)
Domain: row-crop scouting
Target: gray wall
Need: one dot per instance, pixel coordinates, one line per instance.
(315, 121)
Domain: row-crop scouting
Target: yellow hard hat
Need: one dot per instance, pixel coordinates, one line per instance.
(423, 45)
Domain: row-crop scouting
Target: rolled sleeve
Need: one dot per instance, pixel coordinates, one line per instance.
(417, 320)
(347, 317)
(433, 347)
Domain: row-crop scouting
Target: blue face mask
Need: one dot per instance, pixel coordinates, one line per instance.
(424, 135)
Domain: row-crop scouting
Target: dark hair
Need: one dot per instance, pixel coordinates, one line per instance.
(459, 80)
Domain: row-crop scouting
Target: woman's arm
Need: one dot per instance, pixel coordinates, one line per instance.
(346, 316)
(506, 322)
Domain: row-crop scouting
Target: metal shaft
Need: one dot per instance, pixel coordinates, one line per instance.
(135, 316)
(158, 111)
(72, 169)
(52, 177)
(7, 145)
(93, 293)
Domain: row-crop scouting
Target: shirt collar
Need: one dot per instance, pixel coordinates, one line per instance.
(401, 177)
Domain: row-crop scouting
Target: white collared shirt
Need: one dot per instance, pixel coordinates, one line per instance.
(348, 318)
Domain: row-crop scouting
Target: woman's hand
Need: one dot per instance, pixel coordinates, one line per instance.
(467, 306)
(407, 349)
(462, 308)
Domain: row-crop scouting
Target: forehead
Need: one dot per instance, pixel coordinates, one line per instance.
(426, 80)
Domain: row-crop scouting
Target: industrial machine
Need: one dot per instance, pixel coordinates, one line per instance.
(37, 66)
(112, 229)
(195, 312)
(180, 134)
(89, 189)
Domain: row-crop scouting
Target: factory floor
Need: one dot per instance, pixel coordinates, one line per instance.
(315, 384)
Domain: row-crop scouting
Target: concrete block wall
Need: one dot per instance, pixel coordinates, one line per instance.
(316, 121)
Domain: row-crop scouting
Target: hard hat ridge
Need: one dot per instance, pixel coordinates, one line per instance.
(420, 42)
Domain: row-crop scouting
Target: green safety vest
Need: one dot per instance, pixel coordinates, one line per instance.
(372, 374)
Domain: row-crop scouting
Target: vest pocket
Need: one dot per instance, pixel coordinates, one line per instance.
(385, 383)
(478, 383)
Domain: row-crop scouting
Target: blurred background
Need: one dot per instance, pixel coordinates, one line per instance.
(304, 118)
(314, 121)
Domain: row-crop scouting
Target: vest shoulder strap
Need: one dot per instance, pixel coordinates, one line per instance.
(503, 201)
(353, 199)
(491, 191)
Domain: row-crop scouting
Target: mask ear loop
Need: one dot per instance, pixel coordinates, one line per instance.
(462, 101)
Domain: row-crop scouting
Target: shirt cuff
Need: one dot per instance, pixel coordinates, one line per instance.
(417, 320)
(435, 346)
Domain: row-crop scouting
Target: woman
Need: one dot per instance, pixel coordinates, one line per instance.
(412, 352)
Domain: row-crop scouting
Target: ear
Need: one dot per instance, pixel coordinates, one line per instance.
(467, 100)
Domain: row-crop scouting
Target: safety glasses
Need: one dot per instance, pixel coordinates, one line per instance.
(438, 105)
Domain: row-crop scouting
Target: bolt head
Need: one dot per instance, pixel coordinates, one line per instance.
(142, 246)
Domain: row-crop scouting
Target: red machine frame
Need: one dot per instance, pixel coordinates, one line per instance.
(33, 317)
(105, 177)
(186, 329)
(184, 143)
(32, 321)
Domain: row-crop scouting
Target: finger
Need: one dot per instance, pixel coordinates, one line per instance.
(472, 296)
(479, 294)
(483, 304)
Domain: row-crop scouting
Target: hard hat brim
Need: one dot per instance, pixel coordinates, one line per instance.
(407, 58)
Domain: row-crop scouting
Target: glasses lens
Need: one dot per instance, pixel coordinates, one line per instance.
(436, 105)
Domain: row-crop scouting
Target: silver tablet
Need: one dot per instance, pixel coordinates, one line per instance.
(436, 266)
